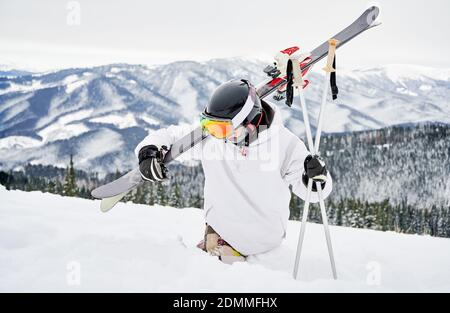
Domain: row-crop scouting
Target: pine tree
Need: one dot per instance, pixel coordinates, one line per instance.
(139, 194)
(339, 213)
(434, 221)
(160, 194)
(294, 207)
(70, 187)
(150, 194)
(175, 196)
(195, 200)
(369, 217)
(51, 187)
(447, 222)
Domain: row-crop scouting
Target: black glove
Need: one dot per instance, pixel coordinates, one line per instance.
(151, 163)
(316, 170)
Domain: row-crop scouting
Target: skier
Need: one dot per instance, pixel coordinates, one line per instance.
(249, 160)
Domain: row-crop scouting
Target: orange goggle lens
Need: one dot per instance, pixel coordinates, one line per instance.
(218, 129)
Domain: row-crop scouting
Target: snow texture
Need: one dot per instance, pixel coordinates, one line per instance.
(120, 121)
(18, 142)
(47, 240)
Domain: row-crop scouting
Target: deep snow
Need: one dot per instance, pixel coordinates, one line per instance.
(46, 240)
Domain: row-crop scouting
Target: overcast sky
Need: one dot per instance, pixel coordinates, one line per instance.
(48, 34)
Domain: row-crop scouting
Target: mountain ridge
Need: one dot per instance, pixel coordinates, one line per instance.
(53, 113)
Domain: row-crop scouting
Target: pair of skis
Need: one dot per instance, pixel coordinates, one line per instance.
(113, 192)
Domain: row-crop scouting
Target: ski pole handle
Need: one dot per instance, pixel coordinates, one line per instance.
(332, 44)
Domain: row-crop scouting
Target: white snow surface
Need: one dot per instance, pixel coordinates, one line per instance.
(150, 120)
(18, 142)
(74, 85)
(45, 239)
(34, 85)
(120, 121)
(59, 131)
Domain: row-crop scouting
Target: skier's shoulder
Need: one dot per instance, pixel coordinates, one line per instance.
(290, 141)
(285, 132)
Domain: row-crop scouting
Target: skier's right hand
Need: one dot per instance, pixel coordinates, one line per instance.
(151, 163)
(316, 170)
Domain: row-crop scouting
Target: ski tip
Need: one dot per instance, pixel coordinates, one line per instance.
(94, 193)
(108, 203)
(372, 14)
(104, 208)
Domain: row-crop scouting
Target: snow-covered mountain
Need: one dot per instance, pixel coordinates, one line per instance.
(63, 244)
(11, 71)
(99, 114)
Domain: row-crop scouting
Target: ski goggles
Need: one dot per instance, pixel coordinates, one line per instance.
(218, 128)
(223, 128)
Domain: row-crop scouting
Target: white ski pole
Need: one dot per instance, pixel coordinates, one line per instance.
(315, 149)
(310, 182)
(328, 69)
(298, 81)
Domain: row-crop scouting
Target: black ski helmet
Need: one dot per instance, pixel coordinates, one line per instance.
(235, 100)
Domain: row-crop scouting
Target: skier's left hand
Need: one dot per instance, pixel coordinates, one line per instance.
(315, 169)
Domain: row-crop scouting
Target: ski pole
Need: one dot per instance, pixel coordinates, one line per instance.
(298, 81)
(315, 149)
(328, 70)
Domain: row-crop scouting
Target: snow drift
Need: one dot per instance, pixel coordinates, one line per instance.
(46, 239)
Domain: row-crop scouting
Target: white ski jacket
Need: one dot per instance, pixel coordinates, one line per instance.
(246, 197)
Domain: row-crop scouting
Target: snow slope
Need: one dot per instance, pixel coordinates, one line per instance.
(45, 239)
